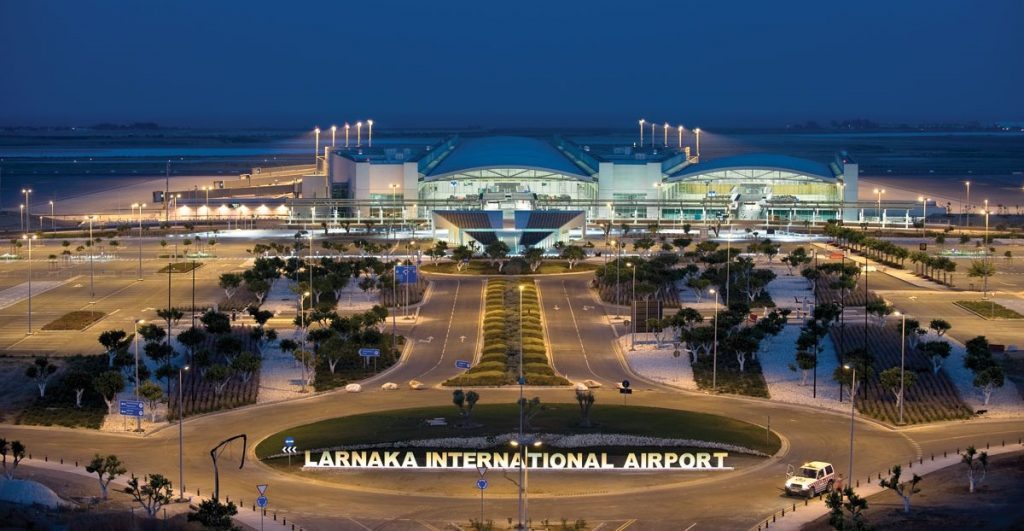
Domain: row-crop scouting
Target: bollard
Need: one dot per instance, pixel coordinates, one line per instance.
(284, 521)
(933, 457)
(254, 508)
(858, 483)
(920, 460)
(197, 492)
(794, 508)
(807, 501)
(910, 464)
(783, 511)
(76, 464)
(773, 518)
(293, 527)
(62, 460)
(958, 450)
(986, 445)
(1004, 442)
(46, 458)
(879, 476)
(275, 517)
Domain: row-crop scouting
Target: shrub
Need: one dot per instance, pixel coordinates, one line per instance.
(538, 368)
(479, 378)
(485, 366)
(544, 379)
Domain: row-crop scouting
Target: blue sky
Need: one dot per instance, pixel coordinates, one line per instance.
(522, 63)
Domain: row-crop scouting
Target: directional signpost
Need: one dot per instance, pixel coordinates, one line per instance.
(625, 390)
(406, 274)
(370, 353)
(131, 408)
(481, 484)
(462, 364)
(289, 448)
(261, 502)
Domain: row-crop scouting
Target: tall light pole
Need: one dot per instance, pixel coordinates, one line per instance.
(53, 220)
(853, 396)
(642, 133)
(903, 359)
(618, 290)
(987, 255)
(29, 239)
(665, 134)
(302, 335)
(680, 130)
(714, 343)
(522, 415)
(334, 131)
(21, 216)
(138, 420)
(878, 194)
(181, 437)
(924, 214)
(359, 134)
(316, 150)
(347, 127)
(92, 276)
(632, 309)
(524, 444)
(369, 133)
(696, 133)
(140, 206)
(653, 125)
(842, 201)
(967, 184)
(28, 212)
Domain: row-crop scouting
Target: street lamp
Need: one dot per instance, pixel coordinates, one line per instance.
(181, 437)
(680, 130)
(903, 359)
(21, 216)
(653, 125)
(632, 309)
(316, 149)
(92, 277)
(842, 201)
(524, 444)
(140, 206)
(642, 133)
(369, 133)
(714, 358)
(696, 133)
(29, 239)
(853, 395)
(878, 193)
(28, 214)
(347, 127)
(924, 213)
(359, 134)
(665, 134)
(138, 420)
(334, 130)
(53, 220)
(967, 184)
(302, 335)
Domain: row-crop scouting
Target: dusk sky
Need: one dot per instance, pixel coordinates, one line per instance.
(543, 63)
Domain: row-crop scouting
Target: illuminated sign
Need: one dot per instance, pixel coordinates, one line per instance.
(471, 459)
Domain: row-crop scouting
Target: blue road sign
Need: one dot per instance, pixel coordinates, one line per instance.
(289, 441)
(481, 484)
(455, 183)
(131, 408)
(406, 274)
(369, 352)
(461, 364)
(261, 501)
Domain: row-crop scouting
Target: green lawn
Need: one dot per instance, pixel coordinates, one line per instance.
(482, 267)
(989, 309)
(76, 320)
(495, 419)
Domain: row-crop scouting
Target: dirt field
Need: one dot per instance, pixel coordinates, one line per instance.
(944, 502)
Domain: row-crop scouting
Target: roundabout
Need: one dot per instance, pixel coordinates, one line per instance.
(626, 448)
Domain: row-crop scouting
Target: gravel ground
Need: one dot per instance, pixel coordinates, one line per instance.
(1005, 402)
(280, 374)
(658, 364)
(784, 384)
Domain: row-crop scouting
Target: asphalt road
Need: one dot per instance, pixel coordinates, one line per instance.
(582, 347)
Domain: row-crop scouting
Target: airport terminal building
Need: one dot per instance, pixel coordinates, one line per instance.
(594, 182)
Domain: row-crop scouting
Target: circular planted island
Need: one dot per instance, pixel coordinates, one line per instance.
(443, 450)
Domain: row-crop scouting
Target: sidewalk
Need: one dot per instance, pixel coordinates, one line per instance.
(900, 274)
(805, 514)
(246, 514)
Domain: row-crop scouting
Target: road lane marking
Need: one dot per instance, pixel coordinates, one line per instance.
(358, 523)
(691, 526)
(627, 524)
(448, 332)
(575, 325)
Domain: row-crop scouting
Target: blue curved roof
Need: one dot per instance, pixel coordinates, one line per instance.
(761, 161)
(505, 152)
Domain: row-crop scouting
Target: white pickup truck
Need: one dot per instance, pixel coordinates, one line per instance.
(811, 479)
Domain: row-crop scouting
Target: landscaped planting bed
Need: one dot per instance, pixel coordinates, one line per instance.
(499, 359)
(933, 397)
(989, 309)
(76, 320)
(750, 382)
(58, 407)
(181, 267)
(855, 297)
